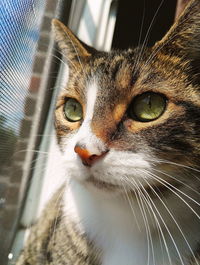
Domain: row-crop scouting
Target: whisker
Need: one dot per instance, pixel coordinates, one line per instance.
(148, 32)
(173, 218)
(148, 201)
(149, 234)
(161, 46)
(131, 206)
(171, 188)
(145, 219)
(174, 163)
(31, 150)
(165, 225)
(142, 24)
(177, 180)
(79, 59)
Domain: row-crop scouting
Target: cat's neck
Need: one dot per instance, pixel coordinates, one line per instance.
(119, 228)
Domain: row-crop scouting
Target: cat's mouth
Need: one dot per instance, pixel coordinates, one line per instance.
(102, 184)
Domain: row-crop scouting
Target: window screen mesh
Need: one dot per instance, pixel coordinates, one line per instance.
(19, 28)
(19, 33)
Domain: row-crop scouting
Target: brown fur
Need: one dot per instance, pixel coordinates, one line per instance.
(170, 68)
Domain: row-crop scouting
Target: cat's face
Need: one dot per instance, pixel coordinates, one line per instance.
(131, 119)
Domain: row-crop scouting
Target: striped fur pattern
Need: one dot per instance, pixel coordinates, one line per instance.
(140, 202)
(54, 242)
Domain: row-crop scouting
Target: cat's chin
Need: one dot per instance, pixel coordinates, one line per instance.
(93, 182)
(100, 184)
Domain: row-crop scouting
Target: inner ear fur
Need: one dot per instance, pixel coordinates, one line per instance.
(183, 39)
(70, 46)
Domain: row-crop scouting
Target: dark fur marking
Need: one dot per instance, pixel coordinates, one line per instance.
(134, 77)
(151, 78)
(116, 69)
(49, 257)
(61, 127)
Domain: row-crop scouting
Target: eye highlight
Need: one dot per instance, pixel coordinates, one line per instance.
(147, 107)
(73, 110)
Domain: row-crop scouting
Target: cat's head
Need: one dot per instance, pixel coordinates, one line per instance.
(132, 118)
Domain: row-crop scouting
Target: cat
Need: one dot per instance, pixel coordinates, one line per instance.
(128, 126)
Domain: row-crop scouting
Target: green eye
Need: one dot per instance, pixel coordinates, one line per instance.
(147, 107)
(73, 110)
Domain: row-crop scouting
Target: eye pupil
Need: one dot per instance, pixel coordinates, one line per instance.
(149, 101)
(147, 107)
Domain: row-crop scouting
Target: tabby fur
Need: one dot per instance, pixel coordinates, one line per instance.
(169, 145)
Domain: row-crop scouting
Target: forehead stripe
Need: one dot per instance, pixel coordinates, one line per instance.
(91, 99)
(85, 137)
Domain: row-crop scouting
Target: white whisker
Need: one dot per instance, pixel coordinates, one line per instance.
(165, 225)
(177, 180)
(131, 206)
(173, 218)
(171, 188)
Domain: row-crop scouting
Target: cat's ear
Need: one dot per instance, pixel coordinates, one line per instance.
(70, 46)
(183, 39)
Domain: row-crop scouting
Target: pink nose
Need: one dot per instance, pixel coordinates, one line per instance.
(87, 158)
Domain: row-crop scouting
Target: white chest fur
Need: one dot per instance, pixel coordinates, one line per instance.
(121, 234)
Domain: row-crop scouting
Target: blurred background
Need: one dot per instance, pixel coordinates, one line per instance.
(31, 73)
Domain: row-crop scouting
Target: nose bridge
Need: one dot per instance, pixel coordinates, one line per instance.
(89, 148)
(87, 140)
